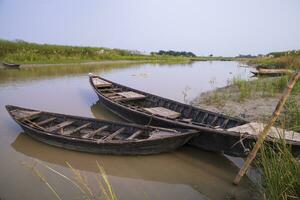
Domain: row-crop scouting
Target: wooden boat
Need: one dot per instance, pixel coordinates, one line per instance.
(11, 66)
(216, 130)
(97, 136)
(271, 72)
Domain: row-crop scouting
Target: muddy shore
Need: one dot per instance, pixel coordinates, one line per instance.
(226, 100)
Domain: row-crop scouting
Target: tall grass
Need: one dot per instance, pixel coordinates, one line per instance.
(283, 61)
(281, 172)
(262, 87)
(79, 181)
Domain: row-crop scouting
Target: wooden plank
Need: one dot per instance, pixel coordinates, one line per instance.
(130, 95)
(46, 121)
(114, 134)
(163, 112)
(110, 94)
(79, 128)
(26, 114)
(134, 135)
(255, 128)
(93, 133)
(110, 89)
(59, 126)
(34, 125)
(99, 83)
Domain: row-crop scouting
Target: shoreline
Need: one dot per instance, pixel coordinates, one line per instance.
(226, 100)
(104, 62)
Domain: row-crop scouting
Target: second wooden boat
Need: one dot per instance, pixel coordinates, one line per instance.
(97, 136)
(218, 132)
(11, 65)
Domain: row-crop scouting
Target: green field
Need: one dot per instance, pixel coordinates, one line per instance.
(27, 53)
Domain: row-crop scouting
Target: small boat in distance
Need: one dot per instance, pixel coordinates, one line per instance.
(10, 65)
(217, 132)
(271, 72)
(98, 136)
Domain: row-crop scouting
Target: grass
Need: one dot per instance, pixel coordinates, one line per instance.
(79, 181)
(24, 53)
(281, 172)
(289, 60)
(262, 87)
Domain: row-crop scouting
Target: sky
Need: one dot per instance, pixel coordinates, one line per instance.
(218, 27)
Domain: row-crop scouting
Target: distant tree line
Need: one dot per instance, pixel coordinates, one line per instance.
(174, 53)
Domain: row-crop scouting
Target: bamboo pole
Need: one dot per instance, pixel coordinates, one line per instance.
(267, 128)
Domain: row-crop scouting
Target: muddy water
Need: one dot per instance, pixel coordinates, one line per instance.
(187, 173)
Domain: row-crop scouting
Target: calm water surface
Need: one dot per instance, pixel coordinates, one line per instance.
(187, 173)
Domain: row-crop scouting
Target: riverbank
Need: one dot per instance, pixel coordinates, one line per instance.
(254, 100)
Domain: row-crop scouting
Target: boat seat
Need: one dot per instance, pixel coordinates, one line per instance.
(163, 112)
(128, 96)
(99, 83)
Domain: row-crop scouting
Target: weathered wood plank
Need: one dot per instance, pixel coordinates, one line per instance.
(99, 83)
(93, 133)
(255, 128)
(22, 115)
(46, 121)
(130, 95)
(79, 128)
(134, 135)
(59, 126)
(114, 134)
(164, 112)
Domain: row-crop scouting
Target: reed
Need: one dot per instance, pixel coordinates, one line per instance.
(79, 181)
(281, 172)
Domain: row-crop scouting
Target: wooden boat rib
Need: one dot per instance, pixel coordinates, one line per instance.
(216, 130)
(97, 136)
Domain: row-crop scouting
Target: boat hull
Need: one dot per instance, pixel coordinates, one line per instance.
(114, 147)
(222, 141)
(210, 141)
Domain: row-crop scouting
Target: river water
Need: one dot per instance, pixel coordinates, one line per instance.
(187, 173)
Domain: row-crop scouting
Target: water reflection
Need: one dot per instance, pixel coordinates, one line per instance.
(188, 173)
(202, 171)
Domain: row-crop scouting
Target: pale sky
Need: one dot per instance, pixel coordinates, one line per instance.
(219, 27)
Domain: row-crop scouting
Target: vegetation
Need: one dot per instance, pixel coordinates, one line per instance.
(281, 172)
(174, 53)
(79, 181)
(24, 52)
(288, 59)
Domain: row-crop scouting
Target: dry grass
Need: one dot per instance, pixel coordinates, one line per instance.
(79, 181)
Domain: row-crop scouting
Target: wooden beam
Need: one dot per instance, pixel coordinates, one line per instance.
(114, 134)
(93, 133)
(134, 135)
(46, 121)
(59, 126)
(32, 114)
(79, 128)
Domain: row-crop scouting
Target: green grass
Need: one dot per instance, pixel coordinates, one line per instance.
(284, 61)
(268, 87)
(281, 172)
(24, 53)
